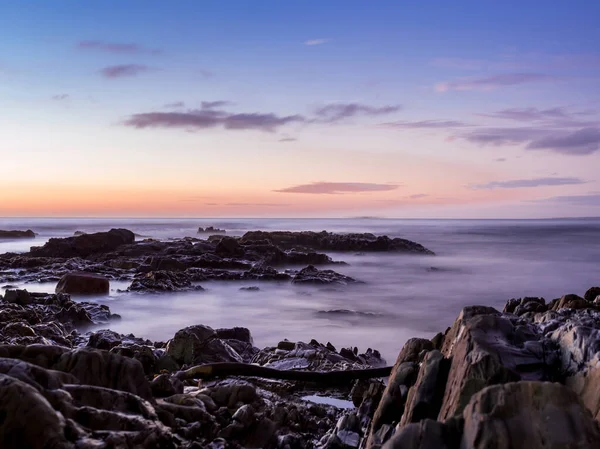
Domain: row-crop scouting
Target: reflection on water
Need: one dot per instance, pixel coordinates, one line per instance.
(477, 262)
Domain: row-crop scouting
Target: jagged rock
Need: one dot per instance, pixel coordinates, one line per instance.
(81, 283)
(425, 397)
(525, 415)
(105, 369)
(161, 281)
(200, 344)
(104, 339)
(210, 230)
(426, 434)
(235, 333)
(166, 264)
(229, 246)
(312, 275)
(486, 349)
(84, 245)
(572, 302)
(21, 297)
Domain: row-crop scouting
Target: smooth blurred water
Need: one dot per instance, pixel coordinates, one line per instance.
(477, 262)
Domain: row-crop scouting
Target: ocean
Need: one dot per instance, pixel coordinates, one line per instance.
(477, 262)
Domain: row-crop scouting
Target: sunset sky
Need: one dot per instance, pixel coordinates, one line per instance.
(300, 108)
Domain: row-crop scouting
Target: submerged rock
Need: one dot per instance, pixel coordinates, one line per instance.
(81, 283)
(312, 275)
(29, 234)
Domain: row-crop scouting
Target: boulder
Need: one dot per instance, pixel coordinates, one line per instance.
(161, 281)
(527, 415)
(200, 344)
(572, 302)
(81, 283)
(592, 293)
(229, 246)
(312, 275)
(426, 434)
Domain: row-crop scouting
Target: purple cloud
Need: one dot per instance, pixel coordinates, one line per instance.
(209, 118)
(60, 97)
(206, 73)
(215, 104)
(504, 136)
(575, 200)
(528, 114)
(340, 111)
(288, 139)
(329, 188)
(124, 70)
(581, 142)
(493, 82)
(500, 159)
(426, 124)
(527, 183)
(417, 196)
(113, 47)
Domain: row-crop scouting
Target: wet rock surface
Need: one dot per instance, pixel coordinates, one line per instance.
(29, 234)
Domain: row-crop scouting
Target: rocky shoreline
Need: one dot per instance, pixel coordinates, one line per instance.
(524, 377)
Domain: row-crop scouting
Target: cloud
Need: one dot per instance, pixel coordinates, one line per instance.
(60, 97)
(417, 196)
(530, 61)
(493, 82)
(527, 183)
(288, 139)
(255, 204)
(426, 124)
(575, 200)
(209, 118)
(124, 70)
(581, 142)
(215, 104)
(339, 111)
(114, 47)
(316, 42)
(329, 188)
(206, 73)
(529, 114)
(175, 105)
(500, 159)
(504, 136)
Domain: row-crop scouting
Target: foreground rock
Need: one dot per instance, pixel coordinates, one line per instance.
(29, 234)
(79, 283)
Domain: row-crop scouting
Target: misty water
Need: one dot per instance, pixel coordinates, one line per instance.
(403, 296)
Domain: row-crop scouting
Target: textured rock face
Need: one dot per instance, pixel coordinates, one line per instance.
(79, 283)
(312, 275)
(199, 344)
(84, 245)
(526, 415)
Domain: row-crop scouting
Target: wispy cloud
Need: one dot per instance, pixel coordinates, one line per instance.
(256, 204)
(174, 105)
(500, 159)
(581, 142)
(527, 183)
(529, 61)
(60, 97)
(215, 104)
(339, 111)
(211, 117)
(207, 73)
(426, 124)
(316, 41)
(529, 114)
(115, 47)
(329, 188)
(288, 139)
(124, 70)
(416, 196)
(493, 82)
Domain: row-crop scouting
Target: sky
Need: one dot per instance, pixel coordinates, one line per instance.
(428, 109)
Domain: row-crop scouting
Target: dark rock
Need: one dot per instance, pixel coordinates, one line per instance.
(592, 293)
(426, 434)
(211, 230)
(29, 234)
(526, 415)
(166, 264)
(572, 302)
(312, 275)
(81, 283)
(229, 246)
(286, 345)
(250, 289)
(21, 297)
(161, 281)
(104, 339)
(84, 245)
(164, 385)
(200, 344)
(235, 333)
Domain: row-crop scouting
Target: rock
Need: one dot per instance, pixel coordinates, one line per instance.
(210, 230)
(166, 264)
(84, 245)
(81, 283)
(104, 339)
(312, 275)
(235, 333)
(164, 385)
(29, 234)
(161, 281)
(572, 302)
(592, 293)
(21, 297)
(426, 434)
(425, 397)
(28, 420)
(104, 369)
(486, 349)
(327, 241)
(528, 415)
(199, 344)
(229, 246)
